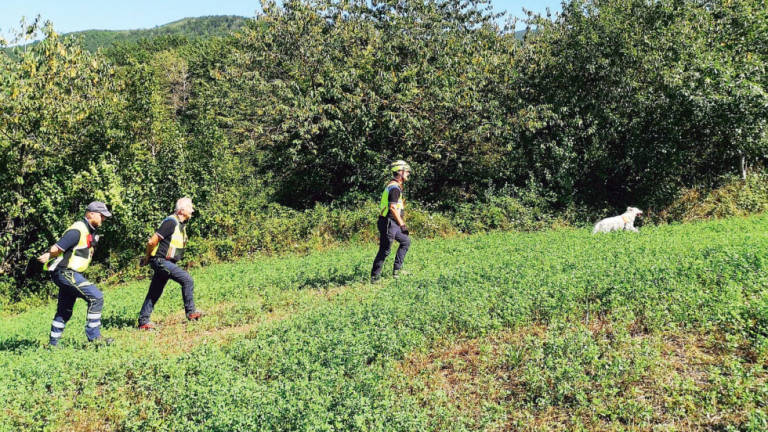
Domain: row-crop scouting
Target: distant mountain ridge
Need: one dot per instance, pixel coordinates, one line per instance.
(199, 27)
(191, 27)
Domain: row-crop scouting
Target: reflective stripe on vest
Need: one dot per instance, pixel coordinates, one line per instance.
(79, 257)
(384, 205)
(178, 241)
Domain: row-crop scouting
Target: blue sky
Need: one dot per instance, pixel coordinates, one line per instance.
(74, 15)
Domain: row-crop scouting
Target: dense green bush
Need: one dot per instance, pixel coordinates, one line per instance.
(607, 104)
(736, 197)
(278, 229)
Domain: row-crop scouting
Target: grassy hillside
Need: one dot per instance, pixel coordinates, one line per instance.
(665, 329)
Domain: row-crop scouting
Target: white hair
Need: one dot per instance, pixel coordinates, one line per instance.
(183, 203)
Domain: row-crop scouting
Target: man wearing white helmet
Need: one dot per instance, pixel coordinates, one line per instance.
(391, 222)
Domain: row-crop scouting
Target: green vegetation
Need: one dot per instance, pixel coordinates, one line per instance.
(190, 28)
(735, 198)
(542, 331)
(280, 132)
(185, 28)
(296, 114)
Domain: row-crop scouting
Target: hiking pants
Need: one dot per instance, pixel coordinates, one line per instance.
(72, 285)
(389, 231)
(165, 270)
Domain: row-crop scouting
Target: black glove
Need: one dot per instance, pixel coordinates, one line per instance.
(34, 267)
(404, 229)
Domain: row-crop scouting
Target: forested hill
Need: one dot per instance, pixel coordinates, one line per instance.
(207, 26)
(199, 27)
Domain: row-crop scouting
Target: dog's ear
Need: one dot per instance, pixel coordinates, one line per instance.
(629, 209)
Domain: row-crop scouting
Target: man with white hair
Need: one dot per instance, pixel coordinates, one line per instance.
(164, 249)
(67, 260)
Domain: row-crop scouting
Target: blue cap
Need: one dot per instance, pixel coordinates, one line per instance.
(98, 207)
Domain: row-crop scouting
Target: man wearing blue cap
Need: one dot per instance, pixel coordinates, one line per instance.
(66, 260)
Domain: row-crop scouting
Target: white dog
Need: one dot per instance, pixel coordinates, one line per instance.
(625, 221)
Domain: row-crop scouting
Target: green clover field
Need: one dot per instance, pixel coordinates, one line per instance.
(665, 329)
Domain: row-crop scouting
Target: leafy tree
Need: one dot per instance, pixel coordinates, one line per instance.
(609, 103)
(636, 99)
(56, 121)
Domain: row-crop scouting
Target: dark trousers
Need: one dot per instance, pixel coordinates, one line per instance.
(73, 285)
(389, 231)
(165, 270)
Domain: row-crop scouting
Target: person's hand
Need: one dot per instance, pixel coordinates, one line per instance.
(144, 261)
(404, 229)
(44, 258)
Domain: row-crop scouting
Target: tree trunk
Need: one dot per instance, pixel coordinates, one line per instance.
(743, 167)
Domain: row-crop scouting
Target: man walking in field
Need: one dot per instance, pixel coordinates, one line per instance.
(66, 260)
(391, 222)
(164, 249)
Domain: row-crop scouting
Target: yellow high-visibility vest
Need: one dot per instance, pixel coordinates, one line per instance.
(178, 241)
(79, 257)
(384, 205)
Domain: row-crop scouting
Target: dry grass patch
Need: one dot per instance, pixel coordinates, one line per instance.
(90, 420)
(703, 384)
(224, 322)
(594, 377)
(180, 337)
(463, 375)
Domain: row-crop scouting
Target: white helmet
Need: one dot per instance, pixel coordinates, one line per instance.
(400, 165)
